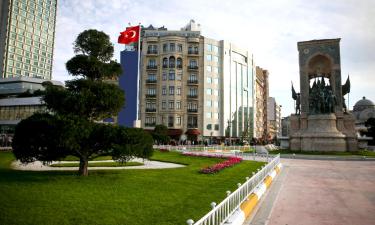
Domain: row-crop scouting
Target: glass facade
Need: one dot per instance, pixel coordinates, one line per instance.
(30, 39)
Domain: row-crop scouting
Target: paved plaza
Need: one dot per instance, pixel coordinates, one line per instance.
(311, 192)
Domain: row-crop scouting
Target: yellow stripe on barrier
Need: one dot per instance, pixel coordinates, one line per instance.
(268, 181)
(248, 206)
(277, 169)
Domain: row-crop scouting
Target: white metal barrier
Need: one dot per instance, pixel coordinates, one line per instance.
(221, 212)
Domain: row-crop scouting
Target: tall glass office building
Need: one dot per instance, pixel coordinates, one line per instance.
(27, 30)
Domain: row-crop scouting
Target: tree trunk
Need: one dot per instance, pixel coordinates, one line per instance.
(83, 164)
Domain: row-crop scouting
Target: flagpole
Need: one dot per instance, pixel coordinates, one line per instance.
(138, 70)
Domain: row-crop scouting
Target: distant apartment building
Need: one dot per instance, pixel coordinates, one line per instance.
(27, 33)
(196, 86)
(261, 97)
(273, 118)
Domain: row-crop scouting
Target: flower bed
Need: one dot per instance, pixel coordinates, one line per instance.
(231, 160)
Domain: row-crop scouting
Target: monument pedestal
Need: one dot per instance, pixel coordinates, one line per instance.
(321, 134)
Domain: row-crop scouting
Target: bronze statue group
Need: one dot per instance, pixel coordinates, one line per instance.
(321, 97)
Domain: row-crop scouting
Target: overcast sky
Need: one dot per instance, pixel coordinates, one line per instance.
(269, 29)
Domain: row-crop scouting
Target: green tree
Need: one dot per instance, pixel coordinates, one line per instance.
(77, 107)
(160, 134)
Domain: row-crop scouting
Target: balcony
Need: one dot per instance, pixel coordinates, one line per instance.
(192, 96)
(191, 67)
(150, 95)
(192, 125)
(152, 67)
(151, 81)
(192, 110)
(150, 124)
(192, 52)
(150, 110)
(152, 52)
(192, 82)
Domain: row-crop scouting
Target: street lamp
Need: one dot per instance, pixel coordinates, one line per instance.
(230, 141)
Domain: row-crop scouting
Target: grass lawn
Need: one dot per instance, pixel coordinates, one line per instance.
(98, 164)
(133, 197)
(359, 153)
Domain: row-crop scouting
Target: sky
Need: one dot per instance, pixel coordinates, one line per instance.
(268, 29)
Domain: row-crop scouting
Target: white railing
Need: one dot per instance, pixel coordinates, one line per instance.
(221, 212)
(193, 148)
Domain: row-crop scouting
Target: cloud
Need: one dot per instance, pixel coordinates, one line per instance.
(269, 29)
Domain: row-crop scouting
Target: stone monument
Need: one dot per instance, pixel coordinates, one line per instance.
(321, 122)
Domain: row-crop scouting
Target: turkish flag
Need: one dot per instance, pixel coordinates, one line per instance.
(131, 34)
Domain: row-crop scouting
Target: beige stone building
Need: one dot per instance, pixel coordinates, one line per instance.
(195, 85)
(273, 118)
(261, 97)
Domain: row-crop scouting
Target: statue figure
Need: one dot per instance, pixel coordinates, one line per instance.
(331, 102)
(345, 89)
(297, 98)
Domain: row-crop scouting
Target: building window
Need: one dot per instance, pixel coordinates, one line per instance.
(193, 91)
(193, 63)
(178, 120)
(209, 47)
(216, 126)
(151, 77)
(152, 63)
(165, 62)
(170, 121)
(216, 92)
(165, 47)
(215, 48)
(209, 126)
(209, 68)
(172, 47)
(163, 105)
(208, 115)
(164, 90)
(171, 104)
(216, 115)
(216, 69)
(209, 80)
(216, 59)
(209, 91)
(178, 91)
(172, 62)
(179, 75)
(209, 103)
(216, 104)
(178, 104)
(192, 106)
(209, 57)
(192, 77)
(171, 75)
(216, 80)
(179, 47)
(164, 75)
(179, 63)
(171, 90)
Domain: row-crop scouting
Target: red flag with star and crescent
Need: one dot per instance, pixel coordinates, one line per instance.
(130, 35)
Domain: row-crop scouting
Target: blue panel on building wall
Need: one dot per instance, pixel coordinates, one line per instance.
(128, 83)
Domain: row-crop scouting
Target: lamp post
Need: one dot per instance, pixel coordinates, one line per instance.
(230, 141)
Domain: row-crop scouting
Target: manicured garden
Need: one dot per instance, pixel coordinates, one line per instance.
(98, 164)
(167, 196)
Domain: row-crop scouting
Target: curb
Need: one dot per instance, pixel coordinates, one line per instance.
(247, 207)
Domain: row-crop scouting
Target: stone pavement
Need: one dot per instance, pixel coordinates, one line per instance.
(317, 192)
